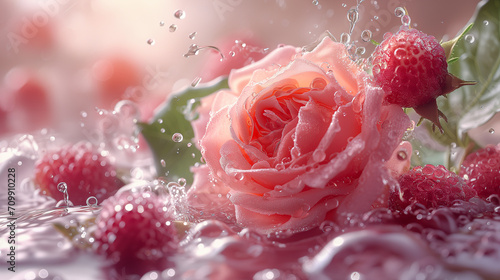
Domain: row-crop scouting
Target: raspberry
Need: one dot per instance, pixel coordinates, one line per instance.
(481, 171)
(432, 186)
(411, 67)
(133, 227)
(85, 171)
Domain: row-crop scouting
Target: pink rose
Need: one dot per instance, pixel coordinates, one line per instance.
(300, 137)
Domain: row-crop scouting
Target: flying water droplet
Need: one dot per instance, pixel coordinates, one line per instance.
(177, 137)
(182, 182)
(491, 131)
(406, 20)
(345, 38)
(163, 163)
(399, 12)
(172, 28)
(162, 23)
(366, 35)
(180, 14)
(192, 35)
(196, 81)
(62, 187)
(92, 201)
(315, 2)
(151, 42)
(469, 38)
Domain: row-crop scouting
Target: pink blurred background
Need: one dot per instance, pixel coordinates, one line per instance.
(62, 57)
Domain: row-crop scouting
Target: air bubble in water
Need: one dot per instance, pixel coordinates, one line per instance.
(151, 42)
(180, 14)
(192, 35)
(172, 28)
(491, 131)
(177, 137)
(470, 38)
(366, 35)
(406, 20)
(399, 12)
(91, 201)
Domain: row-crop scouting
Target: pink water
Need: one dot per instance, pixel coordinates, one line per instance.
(459, 242)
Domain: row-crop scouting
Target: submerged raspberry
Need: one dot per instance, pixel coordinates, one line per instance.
(481, 171)
(432, 186)
(85, 172)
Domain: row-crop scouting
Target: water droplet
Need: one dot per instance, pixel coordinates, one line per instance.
(162, 130)
(177, 137)
(402, 155)
(193, 50)
(92, 201)
(470, 38)
(319, 155)
(360, 51)
(180, 14)
(172, 28)
(196, 81)
(232, 54)
(344, 5)
(163, 163)
(491, 131)
(182, 182)
(352, 15)
(62, 187)
(345, 38)
(239, 176)
(399, 12)
(366, 35)
(315, 2)
(192, 35)
(406, 20)
(162, 23)
(151, 42)
(486, 22)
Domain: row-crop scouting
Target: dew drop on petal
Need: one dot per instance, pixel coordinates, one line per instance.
(180, 14)
(177, 137)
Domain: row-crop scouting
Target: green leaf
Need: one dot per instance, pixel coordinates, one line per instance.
(173, 159)
(479, 60)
